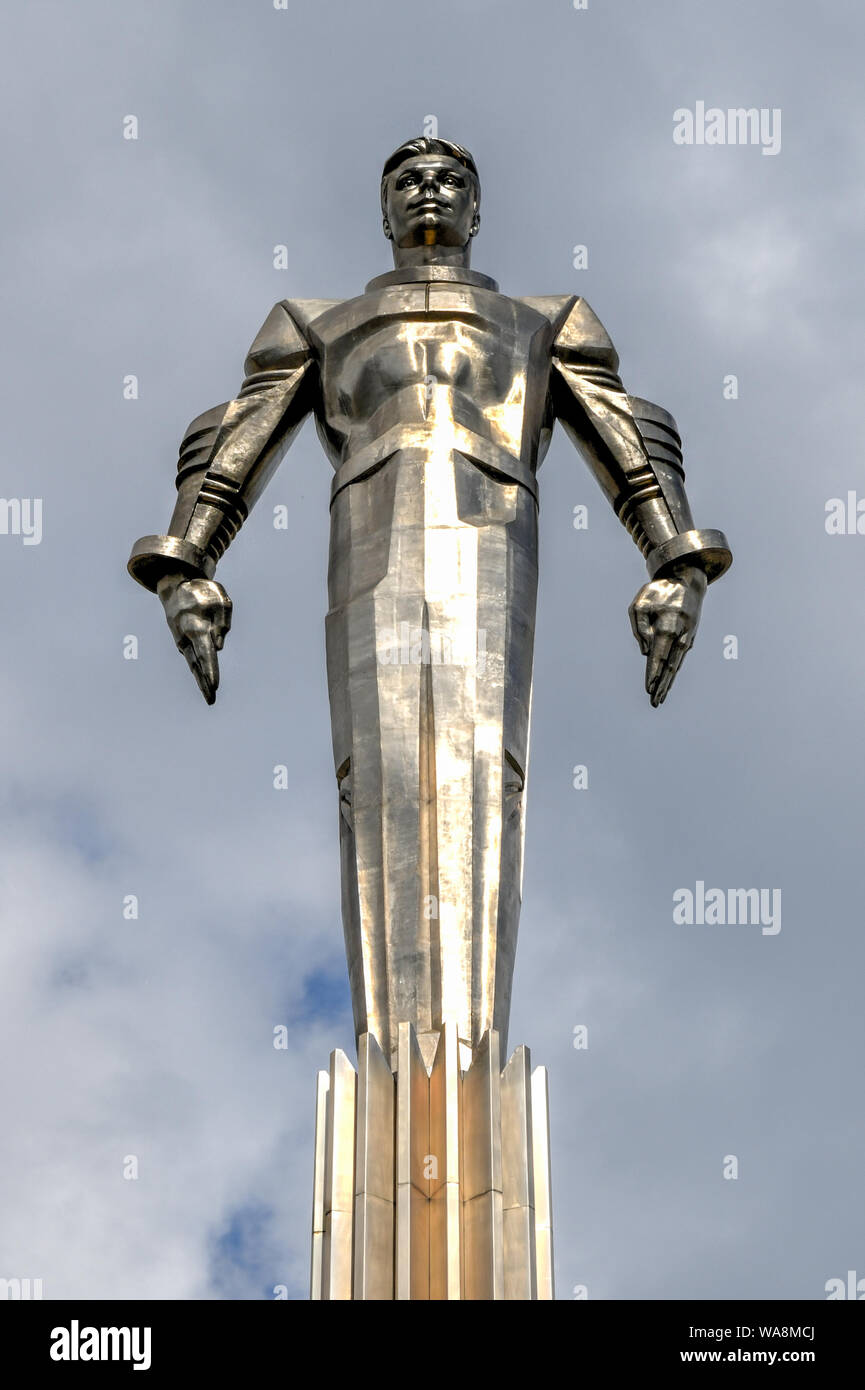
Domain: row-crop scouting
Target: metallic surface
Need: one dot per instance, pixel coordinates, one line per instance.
(541, 1174)
(434, 396)
(518, 1181)
(445, 1129)
(484, 1274)
(373, 1174)
(412, 1184)
(318, 1224)
(457, 1162)
(336, 1277)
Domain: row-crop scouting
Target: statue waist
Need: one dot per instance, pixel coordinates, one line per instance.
(430, 437)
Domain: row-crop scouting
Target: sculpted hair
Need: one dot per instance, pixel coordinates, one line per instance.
(425, 144)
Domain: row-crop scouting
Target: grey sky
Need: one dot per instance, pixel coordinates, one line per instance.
(153, 1037)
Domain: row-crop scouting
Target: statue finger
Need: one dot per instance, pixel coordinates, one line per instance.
(187, 651)
(204, 664)
(674, 662)
(662, 645)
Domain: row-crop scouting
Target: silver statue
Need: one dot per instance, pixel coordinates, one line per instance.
(434, 396)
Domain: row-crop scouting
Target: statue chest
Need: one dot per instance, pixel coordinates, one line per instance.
(421, 348)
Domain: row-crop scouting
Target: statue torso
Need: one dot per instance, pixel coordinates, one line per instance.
(437, 360)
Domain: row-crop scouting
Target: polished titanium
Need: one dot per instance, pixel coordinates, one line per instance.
(435, 397)
(462, 1212)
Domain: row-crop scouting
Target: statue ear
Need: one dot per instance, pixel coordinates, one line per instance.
(476, 215)
(385, 226)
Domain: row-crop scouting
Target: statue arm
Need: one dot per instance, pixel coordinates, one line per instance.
(633, 449)
(229, 454)
(227, 457)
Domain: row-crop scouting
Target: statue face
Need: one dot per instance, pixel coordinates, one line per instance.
(430, 199)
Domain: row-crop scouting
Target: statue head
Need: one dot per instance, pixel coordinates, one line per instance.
(430, 194)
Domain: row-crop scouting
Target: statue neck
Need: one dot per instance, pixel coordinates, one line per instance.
(408, 256)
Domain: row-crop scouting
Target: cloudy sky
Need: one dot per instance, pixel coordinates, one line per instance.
(151, 1039)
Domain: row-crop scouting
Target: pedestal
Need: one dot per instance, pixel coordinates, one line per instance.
(432, 1183)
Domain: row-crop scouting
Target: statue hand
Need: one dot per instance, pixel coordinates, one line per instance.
(664, 617)
(199, 615)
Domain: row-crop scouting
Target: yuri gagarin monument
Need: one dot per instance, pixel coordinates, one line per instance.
(434, 396)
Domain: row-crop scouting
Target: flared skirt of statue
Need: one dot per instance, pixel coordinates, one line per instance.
(432, 589)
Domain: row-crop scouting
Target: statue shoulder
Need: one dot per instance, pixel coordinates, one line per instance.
(578, 334)
(306, 311)
(283, 339)
(583, 338)
(554, 307)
